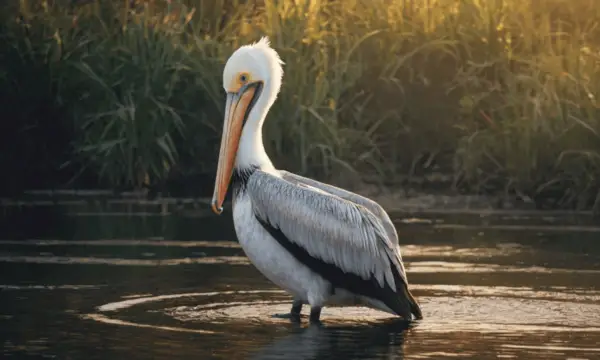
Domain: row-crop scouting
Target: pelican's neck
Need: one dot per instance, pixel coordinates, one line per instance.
(251, 151)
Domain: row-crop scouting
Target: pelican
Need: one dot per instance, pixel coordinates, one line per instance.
(323, 245)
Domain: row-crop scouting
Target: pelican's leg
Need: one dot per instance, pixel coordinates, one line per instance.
(296, 308)
(294, 313)
(315, 314)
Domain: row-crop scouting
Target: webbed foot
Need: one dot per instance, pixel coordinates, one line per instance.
(294, 313)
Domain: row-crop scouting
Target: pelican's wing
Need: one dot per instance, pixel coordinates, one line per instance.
(371, 205)
(374, 207)
(341, 240)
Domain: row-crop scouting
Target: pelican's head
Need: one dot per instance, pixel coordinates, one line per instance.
(251, 79)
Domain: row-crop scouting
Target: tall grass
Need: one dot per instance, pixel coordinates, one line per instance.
(500, 95)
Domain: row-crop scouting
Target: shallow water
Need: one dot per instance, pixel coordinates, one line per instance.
(81, 281)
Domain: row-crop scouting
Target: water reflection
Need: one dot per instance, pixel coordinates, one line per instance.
(382, 341)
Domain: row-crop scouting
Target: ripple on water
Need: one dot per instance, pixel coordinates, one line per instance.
(451, 312)
(442, 314)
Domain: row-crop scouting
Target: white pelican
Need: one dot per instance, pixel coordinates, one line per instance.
(321, 244)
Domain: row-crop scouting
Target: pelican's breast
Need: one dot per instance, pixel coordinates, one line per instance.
(269, 257)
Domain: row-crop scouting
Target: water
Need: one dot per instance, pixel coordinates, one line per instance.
(135, 282)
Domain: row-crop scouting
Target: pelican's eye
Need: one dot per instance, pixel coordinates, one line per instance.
(244, 77)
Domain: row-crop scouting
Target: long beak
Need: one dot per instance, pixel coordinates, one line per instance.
(237, 108)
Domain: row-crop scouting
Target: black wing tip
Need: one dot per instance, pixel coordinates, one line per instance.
(406, 305)
(415, 308)
(413, 304)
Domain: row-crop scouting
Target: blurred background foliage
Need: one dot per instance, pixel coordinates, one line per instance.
(478, 96)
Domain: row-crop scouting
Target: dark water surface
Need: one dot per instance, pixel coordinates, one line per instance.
(82, 282)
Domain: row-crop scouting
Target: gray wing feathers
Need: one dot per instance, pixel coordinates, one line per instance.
(328, 227)
(371, 205)
(374, 207)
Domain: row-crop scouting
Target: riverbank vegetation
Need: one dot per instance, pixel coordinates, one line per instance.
(492, 96)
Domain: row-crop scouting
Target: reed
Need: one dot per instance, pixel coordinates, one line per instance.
(500, 95)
